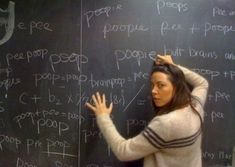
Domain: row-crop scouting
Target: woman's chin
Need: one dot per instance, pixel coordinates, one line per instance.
(158, 105)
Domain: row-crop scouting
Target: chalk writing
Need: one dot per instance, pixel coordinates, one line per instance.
(63, 154)
(216, 116)
(107, 10)
(128, 28)
(140, 102)
(34, 116)
(38, 53)
(208, 155)
(2, 123)
(140, 55)
(166, 27)
(34, 98)
(224, 155)
(9, 140)
(33, 144)
(133, 98)
(137, 55)
(133, 123)
(229, 56)
(8, 23)
(209, 28)
(192, 52)
(50, 123)
(45, 106)
(72, 98)
(219, 12)
(9, 82)
(140, 76)
(60, 164)
(202, 53)
(43, 121)
(6, 70)
(2, 109)
(194, 28)
(31, 116)
(23, 163)
(35, 26)
(117, 99)
(89, 135)
(64, 58)
(216, 28)
(58, 145)
(230, 75)
(219, 96)
(220, 154)
(57, 78)
(174, 52)
(113, 82)
(178, 6)
(216, 11)
(53, 99)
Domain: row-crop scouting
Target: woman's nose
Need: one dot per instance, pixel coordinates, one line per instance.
(154, 90)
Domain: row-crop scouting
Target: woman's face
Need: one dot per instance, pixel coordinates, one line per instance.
(162, 89)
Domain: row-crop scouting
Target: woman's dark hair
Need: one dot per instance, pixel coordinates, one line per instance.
(182, 95)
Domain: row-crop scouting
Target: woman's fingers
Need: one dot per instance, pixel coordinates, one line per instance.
(104, 99)
(100, 106)
(95, 100)
(159, 56)
(161, 59)
(91, 107)
(98, 97)
(110, 108)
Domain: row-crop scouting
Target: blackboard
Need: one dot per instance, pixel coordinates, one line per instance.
(55, 54)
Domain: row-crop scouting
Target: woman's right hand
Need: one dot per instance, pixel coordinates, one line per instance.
(100, 106)
(164, 59)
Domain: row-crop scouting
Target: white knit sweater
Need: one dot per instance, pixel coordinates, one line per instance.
(169, 140)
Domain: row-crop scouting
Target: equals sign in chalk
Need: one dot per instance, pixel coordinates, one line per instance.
(63, 114)
(141, 102)
(129, 79)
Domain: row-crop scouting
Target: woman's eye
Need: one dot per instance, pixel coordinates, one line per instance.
(161, 85)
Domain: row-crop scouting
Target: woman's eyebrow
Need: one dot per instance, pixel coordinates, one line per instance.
(158, 82)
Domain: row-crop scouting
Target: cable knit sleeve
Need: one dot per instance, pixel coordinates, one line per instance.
(124, 149)
(199, 83)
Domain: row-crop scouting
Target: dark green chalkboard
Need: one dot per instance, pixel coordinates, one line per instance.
(55, 54)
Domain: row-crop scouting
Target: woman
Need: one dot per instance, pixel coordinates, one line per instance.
(173, 137)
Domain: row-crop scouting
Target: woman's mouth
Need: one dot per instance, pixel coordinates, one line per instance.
(156, 99)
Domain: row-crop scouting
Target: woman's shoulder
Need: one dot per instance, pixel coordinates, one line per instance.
(175, 114)
(176, 125)
(183, 119)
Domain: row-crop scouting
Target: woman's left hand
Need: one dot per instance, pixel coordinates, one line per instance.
(100, 105)
(164, 59)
